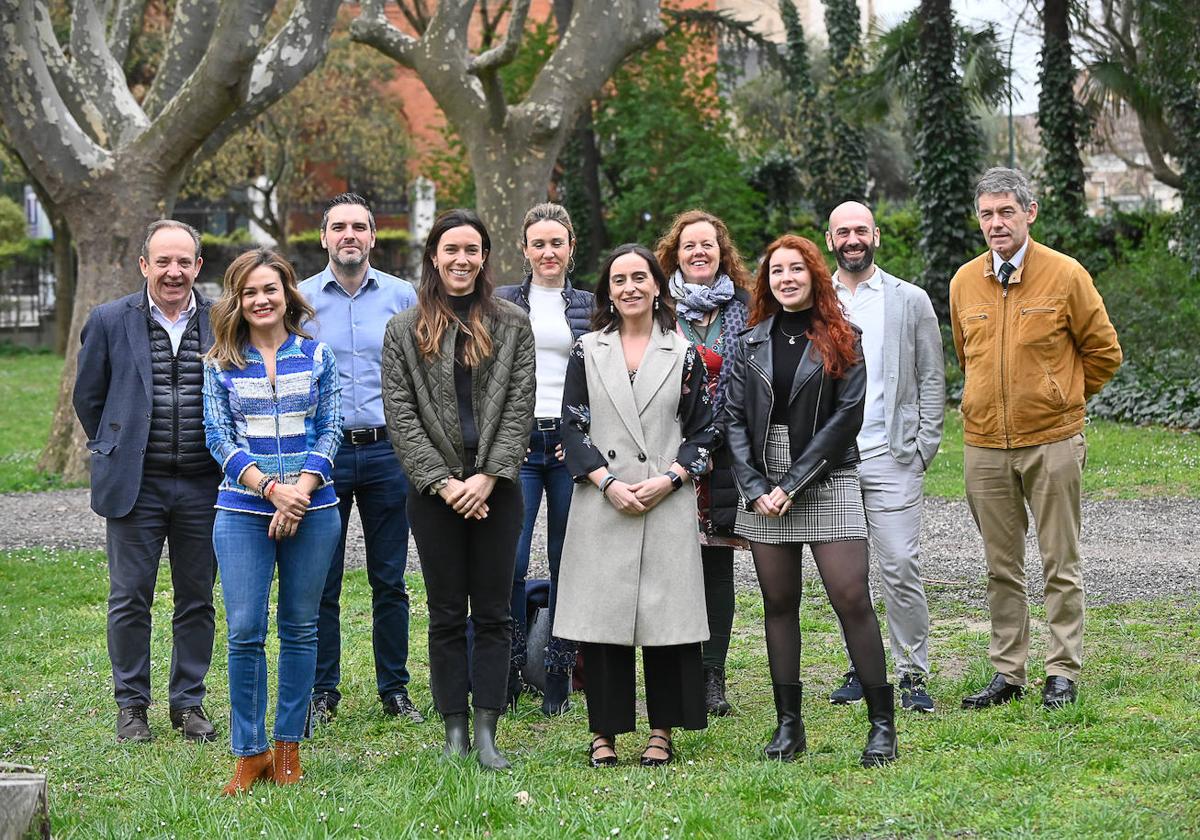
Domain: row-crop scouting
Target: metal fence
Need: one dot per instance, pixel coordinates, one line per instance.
(27, 301)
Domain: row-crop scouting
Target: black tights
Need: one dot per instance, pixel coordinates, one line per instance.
(844, 569)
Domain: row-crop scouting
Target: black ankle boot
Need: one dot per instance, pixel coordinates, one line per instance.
(458, 742)
(714, 692)
(485, 740)
(556, 698)
(789, 734)
(881, 712)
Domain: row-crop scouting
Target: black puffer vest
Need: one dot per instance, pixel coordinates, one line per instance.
(176, 443)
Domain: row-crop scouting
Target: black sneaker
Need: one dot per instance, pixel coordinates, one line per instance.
(850, 691)
(324, 707)
(132, 725)
(399, 705)
(913, 695)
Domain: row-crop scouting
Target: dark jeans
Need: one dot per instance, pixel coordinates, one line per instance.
(179, 510)
(674, 687)
(468, 563)
(542, 471)
(371, 475)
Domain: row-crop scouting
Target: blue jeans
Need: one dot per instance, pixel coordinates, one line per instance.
(542, 471)
(371, 475)
(247, 558)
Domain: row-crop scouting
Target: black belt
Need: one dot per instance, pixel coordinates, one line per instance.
(547, 424)
(359, 437)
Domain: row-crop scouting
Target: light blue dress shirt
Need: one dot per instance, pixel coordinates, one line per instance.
(353, 328)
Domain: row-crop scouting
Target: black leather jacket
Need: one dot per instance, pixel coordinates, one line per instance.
(824, 416)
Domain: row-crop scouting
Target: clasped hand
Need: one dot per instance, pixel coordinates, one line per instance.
(291, 503)
(775, 503)
(635, 499)
(469, 497)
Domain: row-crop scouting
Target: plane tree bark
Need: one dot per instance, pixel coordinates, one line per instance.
(111, 164)
(512, 146)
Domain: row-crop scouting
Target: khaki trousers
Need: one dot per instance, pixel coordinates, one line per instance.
(999, 482)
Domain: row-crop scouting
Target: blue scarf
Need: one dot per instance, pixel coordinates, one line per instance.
(695, 299)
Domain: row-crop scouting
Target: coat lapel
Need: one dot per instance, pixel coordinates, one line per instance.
(808, 366)
(610, 363)
(203, 305)
(656, 366)
(137, 330)
(893, 328)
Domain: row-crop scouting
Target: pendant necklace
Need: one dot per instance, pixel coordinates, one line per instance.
(791, 338)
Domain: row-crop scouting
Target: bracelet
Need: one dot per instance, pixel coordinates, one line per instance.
(270, 489)
(606, 483)
(676, 479)
(262, 484)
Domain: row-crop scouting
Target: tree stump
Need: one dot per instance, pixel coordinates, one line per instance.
(23, 805)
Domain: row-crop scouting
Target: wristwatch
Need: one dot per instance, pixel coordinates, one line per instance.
(438, 486)
(676, 479)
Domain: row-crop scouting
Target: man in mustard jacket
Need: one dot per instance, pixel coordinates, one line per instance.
(1034, 342)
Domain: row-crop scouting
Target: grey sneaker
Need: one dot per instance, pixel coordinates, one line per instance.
(400, 705)
(850, 691)
(913, 695)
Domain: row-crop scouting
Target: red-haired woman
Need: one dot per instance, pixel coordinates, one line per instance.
(794, 407)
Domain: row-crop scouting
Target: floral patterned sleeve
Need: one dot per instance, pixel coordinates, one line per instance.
(695, 417)
(582, 456)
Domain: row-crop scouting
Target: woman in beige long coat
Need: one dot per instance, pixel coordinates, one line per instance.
(637, 429)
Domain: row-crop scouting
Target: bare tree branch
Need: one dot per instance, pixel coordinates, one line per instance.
(587, 56)
(101, 77)
(497, 57)
(65, 82)
(297, 48)
(372, 28)
(31, 100)
(215, 88)
(415, 13)
(187, 43)
(123, 22)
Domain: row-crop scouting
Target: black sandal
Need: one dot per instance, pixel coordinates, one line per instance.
(647, 761)
(602, 742)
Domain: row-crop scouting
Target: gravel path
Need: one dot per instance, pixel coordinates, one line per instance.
(1131, 549)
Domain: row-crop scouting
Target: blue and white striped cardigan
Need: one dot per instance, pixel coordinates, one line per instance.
(292, 428)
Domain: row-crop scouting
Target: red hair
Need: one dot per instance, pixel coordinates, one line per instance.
(830, 334)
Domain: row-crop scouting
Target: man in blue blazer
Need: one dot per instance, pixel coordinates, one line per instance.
(138, 395)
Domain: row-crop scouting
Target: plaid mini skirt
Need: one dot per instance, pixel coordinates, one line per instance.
(828, 511)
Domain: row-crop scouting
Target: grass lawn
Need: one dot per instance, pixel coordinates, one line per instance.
(1123, 461)
(28, 389)
(1124, 762)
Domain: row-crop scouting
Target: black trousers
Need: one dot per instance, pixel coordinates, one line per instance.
(468, 563)
(177, 510)
(674, 687)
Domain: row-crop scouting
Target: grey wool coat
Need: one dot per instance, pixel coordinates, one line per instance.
(633, 580)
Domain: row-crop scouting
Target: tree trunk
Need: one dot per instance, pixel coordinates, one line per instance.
(64, 281)
(511, 175)
(111, 220)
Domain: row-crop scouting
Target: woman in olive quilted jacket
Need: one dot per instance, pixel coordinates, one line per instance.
(458, 392)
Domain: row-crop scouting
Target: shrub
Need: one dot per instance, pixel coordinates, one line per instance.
(1155, 306)
(12, 221)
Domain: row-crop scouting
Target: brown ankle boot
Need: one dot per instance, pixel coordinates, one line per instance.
(287, 763)
(248, 770)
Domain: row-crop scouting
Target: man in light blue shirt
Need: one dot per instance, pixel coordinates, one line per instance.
(354, 303)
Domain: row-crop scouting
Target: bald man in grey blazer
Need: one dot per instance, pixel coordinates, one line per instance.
(900, 435)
